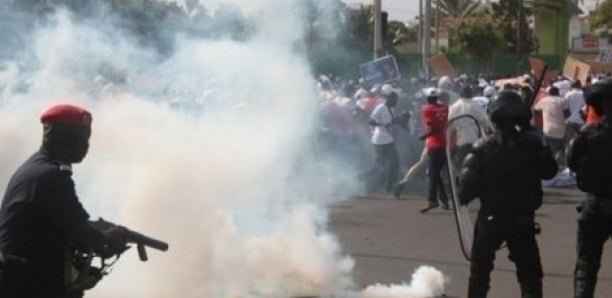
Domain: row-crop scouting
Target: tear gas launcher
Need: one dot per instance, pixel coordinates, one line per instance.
(81, 270)
(139, 239)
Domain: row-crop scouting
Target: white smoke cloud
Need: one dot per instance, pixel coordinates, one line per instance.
(208, 149)
(212, 180)
(426, 282)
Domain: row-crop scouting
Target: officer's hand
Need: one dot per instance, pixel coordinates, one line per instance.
(116, 242)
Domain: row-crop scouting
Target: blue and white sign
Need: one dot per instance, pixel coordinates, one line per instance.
(380, 71)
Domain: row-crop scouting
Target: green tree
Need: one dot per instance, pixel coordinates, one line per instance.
(358, 31)
(480, 39)
(398, 32)
(507, 14)
(601, 18)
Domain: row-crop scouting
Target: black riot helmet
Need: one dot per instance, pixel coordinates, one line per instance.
(509, 110)
(597, 93)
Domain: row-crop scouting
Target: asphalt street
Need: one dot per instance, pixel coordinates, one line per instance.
(390, 238)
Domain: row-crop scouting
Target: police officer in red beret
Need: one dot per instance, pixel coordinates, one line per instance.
(41, 213)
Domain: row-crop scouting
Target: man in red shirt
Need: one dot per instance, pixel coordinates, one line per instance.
(435, 117)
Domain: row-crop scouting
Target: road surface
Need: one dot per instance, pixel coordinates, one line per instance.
(389, 239)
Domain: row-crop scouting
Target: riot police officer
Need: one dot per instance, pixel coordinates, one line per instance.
(504, 171)
(589, 157)
(41, 212)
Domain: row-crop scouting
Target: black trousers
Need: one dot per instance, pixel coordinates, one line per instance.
(593, 231)
(437, 161)
(460, 154)
(518, 231)
(385, 170)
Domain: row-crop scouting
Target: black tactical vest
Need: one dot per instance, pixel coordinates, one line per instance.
(594, 173)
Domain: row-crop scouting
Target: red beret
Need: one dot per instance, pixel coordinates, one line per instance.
(66, 114)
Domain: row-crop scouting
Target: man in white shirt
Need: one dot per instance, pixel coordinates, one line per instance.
(386, 166)
(555, 109)
(575, 101)
(465, 130)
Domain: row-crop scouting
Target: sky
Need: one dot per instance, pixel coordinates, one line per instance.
(406, 10)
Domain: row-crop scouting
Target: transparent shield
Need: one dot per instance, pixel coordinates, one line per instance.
(465, 216)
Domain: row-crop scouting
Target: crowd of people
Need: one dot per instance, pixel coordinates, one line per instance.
(411, 128)
(503, 141)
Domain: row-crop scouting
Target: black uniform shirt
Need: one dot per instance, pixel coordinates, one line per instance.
(39, 208)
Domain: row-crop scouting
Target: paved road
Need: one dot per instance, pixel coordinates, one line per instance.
(389, 239)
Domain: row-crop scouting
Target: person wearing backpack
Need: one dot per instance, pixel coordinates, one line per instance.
(589, 156)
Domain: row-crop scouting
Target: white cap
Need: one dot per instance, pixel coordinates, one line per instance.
(375, 88)
(430, 92)
(386, 89)
(489, 91)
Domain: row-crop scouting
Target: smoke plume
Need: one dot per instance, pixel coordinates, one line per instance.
(202, 137)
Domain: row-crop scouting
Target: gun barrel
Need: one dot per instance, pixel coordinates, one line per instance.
(146, 241)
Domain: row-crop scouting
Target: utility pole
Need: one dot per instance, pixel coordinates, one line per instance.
(437, 17)
(378, 46)
(427, 39)
(420, 37)
(519, 41)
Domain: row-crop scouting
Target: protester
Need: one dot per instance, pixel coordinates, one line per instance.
(555, 110)
(337, 130)
(575, 101)
(504, 172)
(360, 91)
(589, 157)
(466, 130)
(41, 212)
(371, 101)
(418, 166)
(435, 116)
(386, 166)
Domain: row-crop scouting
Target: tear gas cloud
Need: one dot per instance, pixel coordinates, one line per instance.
(207, 145)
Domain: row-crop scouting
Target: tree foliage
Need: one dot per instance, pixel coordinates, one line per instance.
(358, 31)
(479, 38)
(601, 18)
(399, 32)
(508, 18)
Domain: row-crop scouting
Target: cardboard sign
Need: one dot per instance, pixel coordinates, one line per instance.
(537, 67)
(380, 71)
(442, 67)
(575, 69)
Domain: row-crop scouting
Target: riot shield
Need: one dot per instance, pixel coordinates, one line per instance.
(464, 215)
